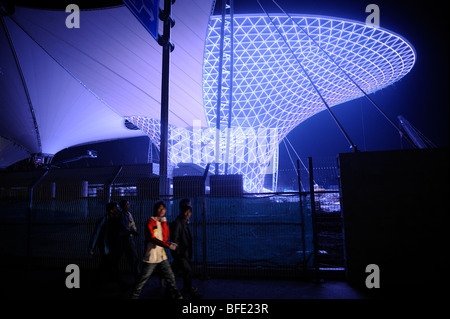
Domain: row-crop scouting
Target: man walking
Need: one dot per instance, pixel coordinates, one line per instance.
(156, 239)
(181, 235)
(106, 238)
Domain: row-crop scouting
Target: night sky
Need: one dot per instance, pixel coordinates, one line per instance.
(421, 96)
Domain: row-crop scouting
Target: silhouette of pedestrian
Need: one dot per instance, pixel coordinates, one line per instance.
(181, 235)
(128, 238)
(106, 238)
(156, 239)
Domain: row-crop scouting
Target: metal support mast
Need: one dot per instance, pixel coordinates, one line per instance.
(164, 41)
(219, 91)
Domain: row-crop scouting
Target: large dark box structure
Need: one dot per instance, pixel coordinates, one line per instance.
(148, 187)
(394, 204)
(188, 186)
(226, 185)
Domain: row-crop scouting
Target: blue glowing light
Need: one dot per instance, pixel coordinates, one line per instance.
(271, 93)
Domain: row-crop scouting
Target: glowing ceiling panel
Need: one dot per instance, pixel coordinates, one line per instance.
(271, 93)
(270, 88)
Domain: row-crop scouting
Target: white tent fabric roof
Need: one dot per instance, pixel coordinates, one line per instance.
(61, 87)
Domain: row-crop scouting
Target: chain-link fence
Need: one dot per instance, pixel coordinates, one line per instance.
(47, 218)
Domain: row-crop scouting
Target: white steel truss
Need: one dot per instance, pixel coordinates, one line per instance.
(270, 92)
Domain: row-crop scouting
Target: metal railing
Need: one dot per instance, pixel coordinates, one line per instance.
(269, 234)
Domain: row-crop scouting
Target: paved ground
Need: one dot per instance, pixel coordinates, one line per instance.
(44, 289)
(50, 284)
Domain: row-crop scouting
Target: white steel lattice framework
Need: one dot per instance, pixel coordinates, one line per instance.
(271, 94)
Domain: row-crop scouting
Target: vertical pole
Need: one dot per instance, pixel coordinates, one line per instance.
(301, 214)
(113, 180)
(29, 226)
(30, 219)
(313, 216)
(165, 100)
(150, 152)
(219, 91)
(204, 247)
(231, 86)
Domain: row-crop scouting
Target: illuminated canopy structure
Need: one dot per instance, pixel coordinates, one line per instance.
(61, 87)
(275, 72)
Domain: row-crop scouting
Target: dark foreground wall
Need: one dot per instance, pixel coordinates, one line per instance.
(394, 205)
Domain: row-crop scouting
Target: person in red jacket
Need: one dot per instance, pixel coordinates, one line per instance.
(156, 240)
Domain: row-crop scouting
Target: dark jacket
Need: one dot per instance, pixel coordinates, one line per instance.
(181, 235)
(107, 235)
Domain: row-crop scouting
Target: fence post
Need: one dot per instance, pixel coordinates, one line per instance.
(30, 219)
(204, 247)
(313, 217)
(108, 190)
(302, 217)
